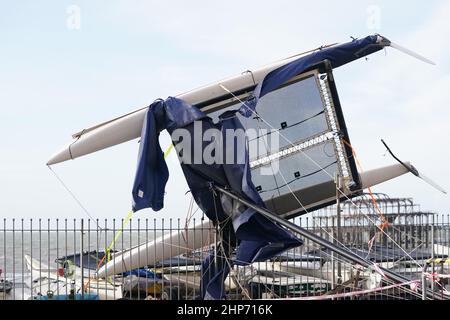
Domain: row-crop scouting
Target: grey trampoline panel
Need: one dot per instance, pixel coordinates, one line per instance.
(299, 114)
(302, 170)
(296, 111)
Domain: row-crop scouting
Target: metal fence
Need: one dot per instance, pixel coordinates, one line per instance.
(58, 259)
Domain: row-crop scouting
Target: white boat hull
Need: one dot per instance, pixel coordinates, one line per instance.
(166, 247)
(129, 126)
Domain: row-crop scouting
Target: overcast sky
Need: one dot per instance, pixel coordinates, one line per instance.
(60, 74)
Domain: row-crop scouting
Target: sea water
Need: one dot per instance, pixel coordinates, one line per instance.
(46, 246)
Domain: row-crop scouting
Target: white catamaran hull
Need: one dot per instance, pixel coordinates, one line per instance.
(129, 126)
(165, 247)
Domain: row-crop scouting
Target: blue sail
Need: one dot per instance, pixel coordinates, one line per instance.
(336, 55)
(248, 234)
(255, 237)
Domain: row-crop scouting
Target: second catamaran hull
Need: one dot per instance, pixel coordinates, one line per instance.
(166, 247)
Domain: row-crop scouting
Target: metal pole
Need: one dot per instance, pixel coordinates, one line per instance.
(432, 255)
(81, 260)
(338, 217)
(424, 282)
(333, 260)
(312, 237)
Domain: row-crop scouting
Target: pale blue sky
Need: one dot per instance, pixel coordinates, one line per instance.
(55, 81)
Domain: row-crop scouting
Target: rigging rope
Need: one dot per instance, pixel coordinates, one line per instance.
(107, 255)
(289, 126)
(314, 162)
(129, 216)
(301, 177)
(384, 222)
(74, 197)
(383, 219)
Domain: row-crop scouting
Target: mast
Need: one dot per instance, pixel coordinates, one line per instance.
(344, 252)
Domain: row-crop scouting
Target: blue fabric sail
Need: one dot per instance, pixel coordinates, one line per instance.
(152, 172)
(254, 237)
(337, 56)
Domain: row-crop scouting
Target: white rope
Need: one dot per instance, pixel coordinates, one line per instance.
(74, 197)
(314, 162)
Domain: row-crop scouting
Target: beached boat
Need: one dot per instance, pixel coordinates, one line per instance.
(319, 263)
(167, 246)
(277, 284)
(5, 286)
(70, 296)
(185, 276)
(45, 279)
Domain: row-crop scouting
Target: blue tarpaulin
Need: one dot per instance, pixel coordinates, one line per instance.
(336, 55)
(255, 237)
(143, 273)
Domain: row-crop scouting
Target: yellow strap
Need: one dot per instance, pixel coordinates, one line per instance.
(438, 261)
(124, 223)
(168, 151)
(127, 219)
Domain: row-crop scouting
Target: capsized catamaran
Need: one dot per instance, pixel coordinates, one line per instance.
(295, 98)
(212, 99)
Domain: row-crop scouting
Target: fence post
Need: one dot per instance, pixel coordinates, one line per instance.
(81, 258)
(432, 255)
(333, 260)
(337, 180)
(424, 282)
